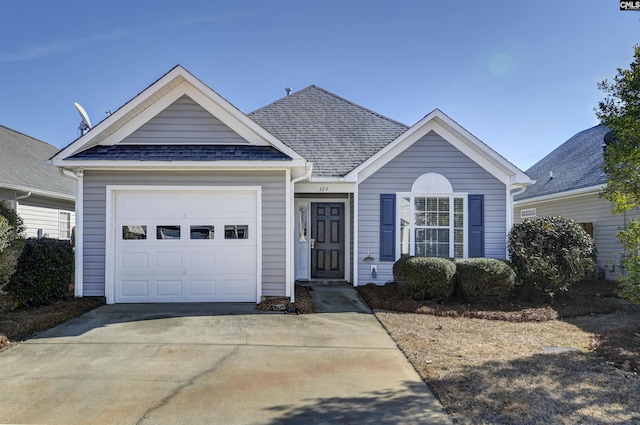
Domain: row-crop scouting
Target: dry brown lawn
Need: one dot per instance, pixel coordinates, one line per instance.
(502, 369)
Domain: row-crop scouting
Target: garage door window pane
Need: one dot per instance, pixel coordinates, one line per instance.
(202, 232)
(168, 232)
(134, 232)
(236, 232)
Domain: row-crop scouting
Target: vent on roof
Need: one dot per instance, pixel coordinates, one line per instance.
(288, 90)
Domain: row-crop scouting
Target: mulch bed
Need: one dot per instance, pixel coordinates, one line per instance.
(584, 298)
(302, 305)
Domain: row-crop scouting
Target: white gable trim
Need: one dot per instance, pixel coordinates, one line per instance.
(453, 133)
(159, 96)
(177, 165)
(591, 190)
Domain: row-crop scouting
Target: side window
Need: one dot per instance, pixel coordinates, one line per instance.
(236, 231)
(64, 227)
(168, 232)
(202, 232)
(134, 232)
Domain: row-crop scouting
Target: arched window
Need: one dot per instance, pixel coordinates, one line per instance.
(432, 219)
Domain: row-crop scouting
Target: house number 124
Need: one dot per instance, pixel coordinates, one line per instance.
(324, 188)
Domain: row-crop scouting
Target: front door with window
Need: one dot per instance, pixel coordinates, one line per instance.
(327, 240)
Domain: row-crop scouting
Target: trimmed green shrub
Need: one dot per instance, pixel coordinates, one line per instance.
(425, 278)
(487, 280)
(44, 273)
(11, 242)
(549, 254)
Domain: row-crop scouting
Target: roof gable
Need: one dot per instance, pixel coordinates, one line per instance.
(23, 167)
(575, 164)
(176, 87)
(456, 135)
(335, 134)
(184, 122)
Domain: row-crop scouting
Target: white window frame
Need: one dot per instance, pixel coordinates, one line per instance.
(67, 222)
(451, 196)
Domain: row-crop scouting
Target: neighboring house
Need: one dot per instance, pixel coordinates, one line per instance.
(569, 182)
(182, 197)
(39, 194)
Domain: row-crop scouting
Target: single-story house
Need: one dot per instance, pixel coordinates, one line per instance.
(183, 197)
(569, 183)
(38, 192)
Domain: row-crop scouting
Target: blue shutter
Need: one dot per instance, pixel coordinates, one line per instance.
(387, 227)
(476, 225)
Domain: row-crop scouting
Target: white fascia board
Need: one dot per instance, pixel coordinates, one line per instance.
(237, 120)
(39, 192)
(171, 165)
(327, 179)
(517, 175)
(212, 103)
(192, 87)
(591, 190)
(453, 133)
(120, 113)
(324, 187)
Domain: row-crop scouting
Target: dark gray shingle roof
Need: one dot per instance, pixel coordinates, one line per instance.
(22, 164)
(182, 153)
(575, 164)
(335, 134)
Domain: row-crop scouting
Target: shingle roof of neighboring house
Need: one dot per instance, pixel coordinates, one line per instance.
(182, 153)
(575, 164)
(335, 134)
(22, 165)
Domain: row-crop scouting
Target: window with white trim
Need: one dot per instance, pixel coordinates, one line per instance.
(432, 225)
(64, 225)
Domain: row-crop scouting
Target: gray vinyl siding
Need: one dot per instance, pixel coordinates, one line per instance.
(589, 208)
(430, 154)
(273, 217)
(44, 213)
(184, 122)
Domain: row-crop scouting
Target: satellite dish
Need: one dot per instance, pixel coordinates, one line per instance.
(85, 125)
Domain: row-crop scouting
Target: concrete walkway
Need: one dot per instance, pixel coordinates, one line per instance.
(216, 364)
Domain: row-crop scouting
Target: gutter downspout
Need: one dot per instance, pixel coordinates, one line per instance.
(292, 189)
(77, 176)
(510, 213)
(18, 198)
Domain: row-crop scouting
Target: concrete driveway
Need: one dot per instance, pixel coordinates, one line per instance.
(215, 364)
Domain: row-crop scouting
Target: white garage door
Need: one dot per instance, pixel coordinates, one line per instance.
(185, 245)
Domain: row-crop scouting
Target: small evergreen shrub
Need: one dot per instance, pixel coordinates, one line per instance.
(44, 273)
(425, 278)
(549, 254)
(11, 242)
(484, 279)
